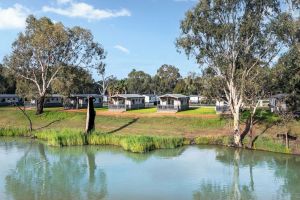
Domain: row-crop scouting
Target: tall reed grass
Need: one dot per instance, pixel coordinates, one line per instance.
(134, 143)
(73, 137)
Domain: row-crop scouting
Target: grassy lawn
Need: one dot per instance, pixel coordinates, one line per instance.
(56, 118)
(144, 111)
(104, 109)
(200, 110)
(140, 134)
(193, 111)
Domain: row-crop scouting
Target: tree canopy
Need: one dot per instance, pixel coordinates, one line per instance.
(42, 51)
(234, 38)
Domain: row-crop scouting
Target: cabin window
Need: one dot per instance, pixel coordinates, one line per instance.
(2, 100)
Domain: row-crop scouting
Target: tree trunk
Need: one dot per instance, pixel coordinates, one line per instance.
(90, 116)
(40, 105)
(236, 128)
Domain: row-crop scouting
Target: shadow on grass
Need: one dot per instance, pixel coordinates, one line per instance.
(124, 126)
(192, 108)
(47, 125)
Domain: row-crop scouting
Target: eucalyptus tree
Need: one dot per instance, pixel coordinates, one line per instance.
(105, 80)
(41, 52)
(7, 81)
(232, 37)
(72, 80)
(139, 82)
(118, 87)
(167, 77)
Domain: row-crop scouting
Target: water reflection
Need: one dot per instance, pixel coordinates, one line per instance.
(42, 175)
(285, 167)
(106, 172)
(235, 190)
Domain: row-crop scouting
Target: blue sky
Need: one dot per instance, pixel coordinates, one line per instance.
(136, 34)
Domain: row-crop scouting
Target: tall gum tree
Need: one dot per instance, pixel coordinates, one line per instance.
(41, 52)
(232, 37)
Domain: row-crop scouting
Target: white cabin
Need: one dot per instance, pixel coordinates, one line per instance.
(54, 100)
(278, 102)
(78, 101)
(150, 99)
(173, 103)
(195, 99)
(123, 102)
(10, 99)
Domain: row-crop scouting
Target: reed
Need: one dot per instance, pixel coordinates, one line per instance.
(216, 140)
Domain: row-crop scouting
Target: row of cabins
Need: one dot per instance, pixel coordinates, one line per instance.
(124, 102)
(73, 101)
(167, 103)
(119, 102)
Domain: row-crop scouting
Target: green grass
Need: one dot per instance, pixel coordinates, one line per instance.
(133, 134)
(157, 126)
(216, 140)
(136, 143)
(143, 111)
(71, 137)
(263, 116)
(271, 144)
(14, 132)
(103, 109)
(200, 110)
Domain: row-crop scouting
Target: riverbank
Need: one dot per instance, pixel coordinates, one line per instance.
(138, 134)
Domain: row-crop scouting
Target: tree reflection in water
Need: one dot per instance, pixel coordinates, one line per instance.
(44, 175)
(212, 190)
(73, 173)
(284, 167)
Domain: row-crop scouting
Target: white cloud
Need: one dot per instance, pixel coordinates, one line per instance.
(63, 1)
(13, 17)
(84, 10)
(121, 48)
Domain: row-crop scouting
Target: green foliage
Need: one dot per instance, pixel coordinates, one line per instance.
(7, 81)
(73, 137)
(139, 82)
(42, 51)
(271, 144)
(14, 132)
(166, 78)
(287, 73)
(216, 140)
(73, 80)
(262, 116)
(136, 143)
(65, 137)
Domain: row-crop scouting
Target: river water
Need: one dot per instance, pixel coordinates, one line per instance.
(33, 171)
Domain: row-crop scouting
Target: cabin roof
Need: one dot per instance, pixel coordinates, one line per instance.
(54, 95)
(9, 95)
(86, 95)
(176, 96)
(125, 96)
(149, 95)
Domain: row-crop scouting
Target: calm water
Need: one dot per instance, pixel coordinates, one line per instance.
(30, 170)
